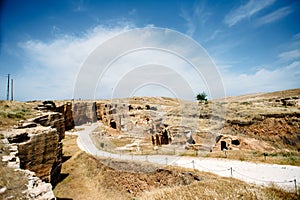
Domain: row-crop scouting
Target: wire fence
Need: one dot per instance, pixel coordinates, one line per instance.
(193, 164)
(234, 171)
(171, 160)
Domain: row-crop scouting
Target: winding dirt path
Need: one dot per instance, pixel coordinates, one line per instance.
(284, 176)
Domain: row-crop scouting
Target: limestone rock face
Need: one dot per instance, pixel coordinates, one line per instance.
(64, 108)
(84, 112)
(36, 188)
(54, 120)
(111, 114)
(41, 153)
(67, 113)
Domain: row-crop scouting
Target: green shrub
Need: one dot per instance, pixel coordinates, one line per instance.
(11, 115)
(102, 145)
(3, 114)
(246, 103)
(201, 96)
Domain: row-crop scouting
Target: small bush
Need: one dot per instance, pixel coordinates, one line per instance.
(102, 145)
(3, 114)
(273, 154)
(201, 96)
(246, 103)
(11, 115)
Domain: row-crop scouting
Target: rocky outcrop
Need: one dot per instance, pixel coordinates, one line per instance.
(84, 112)
(278, 128)
(65, 109)
(36, 188)
(54, 120)
(39, 143)
(39, 150)
(67, 113)
(111, 114)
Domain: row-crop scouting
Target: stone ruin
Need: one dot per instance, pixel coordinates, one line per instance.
(142, 120)
(291, 101)
(226, 142)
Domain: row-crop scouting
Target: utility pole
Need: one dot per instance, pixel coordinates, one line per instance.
(8, 77)
(12, 89)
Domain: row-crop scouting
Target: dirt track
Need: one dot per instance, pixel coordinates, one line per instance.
(262, 174)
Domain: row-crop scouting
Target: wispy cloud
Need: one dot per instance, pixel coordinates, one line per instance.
(246, 11)
(191, 26)
(79, 6)
(132, 11)
(274, 16)
(289, 55)
(195, 18)
(296, 36)
(262, 80)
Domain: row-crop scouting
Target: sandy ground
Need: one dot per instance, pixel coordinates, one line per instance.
(284, 176)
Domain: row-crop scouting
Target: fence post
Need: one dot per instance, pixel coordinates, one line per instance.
(295, 181)
(231, 171)
(146, 157)
(166, 161)
(193, 164)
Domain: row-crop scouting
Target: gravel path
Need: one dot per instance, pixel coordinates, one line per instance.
(284, 176)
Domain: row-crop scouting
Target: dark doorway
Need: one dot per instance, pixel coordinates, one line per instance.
(223, 145)
(235, 142)
(113, 124)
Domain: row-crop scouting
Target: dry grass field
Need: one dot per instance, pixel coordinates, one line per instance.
(13, 111)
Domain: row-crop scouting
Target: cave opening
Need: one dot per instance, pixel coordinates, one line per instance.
(113, 124)
(235, 142)
(223, 145)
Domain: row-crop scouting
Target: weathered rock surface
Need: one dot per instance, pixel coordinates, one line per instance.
(41, 152)
(36, 188)
(279, 128)
(84, 112)
(67, 113)
(54, 120)
(64, 108)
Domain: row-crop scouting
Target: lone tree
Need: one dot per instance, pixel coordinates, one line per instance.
(201, 96)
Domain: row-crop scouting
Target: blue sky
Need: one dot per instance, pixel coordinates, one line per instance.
(254, 44)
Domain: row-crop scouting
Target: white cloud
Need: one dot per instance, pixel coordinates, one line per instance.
(246, 11)
(289, 55)
(274, 16)
(263, 80)
(186, 59)
(51, 67)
